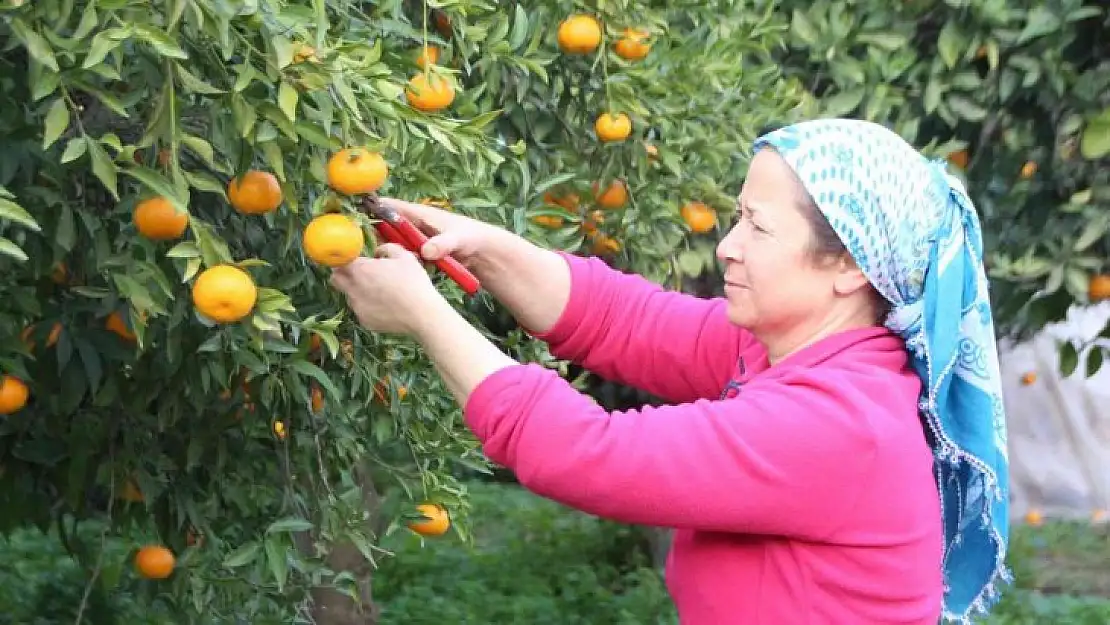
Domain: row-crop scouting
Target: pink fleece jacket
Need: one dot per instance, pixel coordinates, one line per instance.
(801, 494)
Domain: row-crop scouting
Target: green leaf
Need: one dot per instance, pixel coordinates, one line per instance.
(1069, 358)
(192, 267)
(691, 262)
(65, 234)
(57, 120)
(213, 250)
(15, 212)
(553, 181)
(803, 28)
(160, 185)
(242, 556)
(275, 158)
(205, 182)
(244, 114)
(106, 72)
(441, 138)
(279, 566)
(109, 100)
(36, 45)
(1040, 20)
(1092, 232)
(389, 90)
(94, 368)
(45, 85)
(103, 167)
(317, 136)
(102, 43)
(8, 248)
(1081, 198)
(1095, 142)
(160, 41)
(201, 148)
(520, 28)
(212, 343)
(88, 22)
(845, 102)
(949, 44)
(283, 48)
(363, 544)
(967, 81)
(185, 249)
(307, 368)
(1094, 360)
(75, 149)
(965, 108)
(287, 100)
(192, 84)
(934, 89)
(133, 291)
(194, 453)
(884, 41)
(1076, 281)
(290, 524)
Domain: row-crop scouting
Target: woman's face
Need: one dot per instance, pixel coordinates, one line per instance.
(774, 286)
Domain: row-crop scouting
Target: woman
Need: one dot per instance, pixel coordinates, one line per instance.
(793, 461)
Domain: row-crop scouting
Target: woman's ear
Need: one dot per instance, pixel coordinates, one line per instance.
(849, 277)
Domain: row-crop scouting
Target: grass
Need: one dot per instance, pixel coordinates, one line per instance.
(536, 562)
(527, 548)
(1062, 576)
(1065, 557)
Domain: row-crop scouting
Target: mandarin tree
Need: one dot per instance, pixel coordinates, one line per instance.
(178, 179)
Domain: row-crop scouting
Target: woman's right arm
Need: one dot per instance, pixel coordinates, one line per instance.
(620, 326)
(533, 283)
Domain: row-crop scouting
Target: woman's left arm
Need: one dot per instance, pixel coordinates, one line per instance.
(463, 357)
(780, 460)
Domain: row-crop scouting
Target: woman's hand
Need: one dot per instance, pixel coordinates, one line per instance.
(449, 233)
(391, 292)
(533, 283)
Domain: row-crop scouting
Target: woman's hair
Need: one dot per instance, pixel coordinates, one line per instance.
(826, 246)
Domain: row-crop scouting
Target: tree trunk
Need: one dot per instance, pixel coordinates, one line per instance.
(332, 607)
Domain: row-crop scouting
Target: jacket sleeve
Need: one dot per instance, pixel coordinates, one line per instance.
(784, 459)
(626, 328)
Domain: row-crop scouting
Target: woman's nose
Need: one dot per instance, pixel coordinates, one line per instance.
(729, 247)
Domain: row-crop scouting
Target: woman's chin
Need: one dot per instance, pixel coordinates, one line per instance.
(739, 313)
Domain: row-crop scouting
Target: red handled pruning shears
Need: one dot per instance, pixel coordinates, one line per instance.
(396, 229)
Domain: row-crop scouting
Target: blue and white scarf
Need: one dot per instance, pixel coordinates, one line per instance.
(912, 229)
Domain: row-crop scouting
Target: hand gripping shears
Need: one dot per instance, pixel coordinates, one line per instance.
(396, 229)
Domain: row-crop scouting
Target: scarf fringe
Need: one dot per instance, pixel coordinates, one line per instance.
(952, 454)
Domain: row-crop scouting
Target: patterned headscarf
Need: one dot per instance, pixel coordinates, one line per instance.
(912, 229)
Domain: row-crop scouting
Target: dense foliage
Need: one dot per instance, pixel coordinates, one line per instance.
(252, 447)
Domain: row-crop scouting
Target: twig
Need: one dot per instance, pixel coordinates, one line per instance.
(320, 462)
(103, 541)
